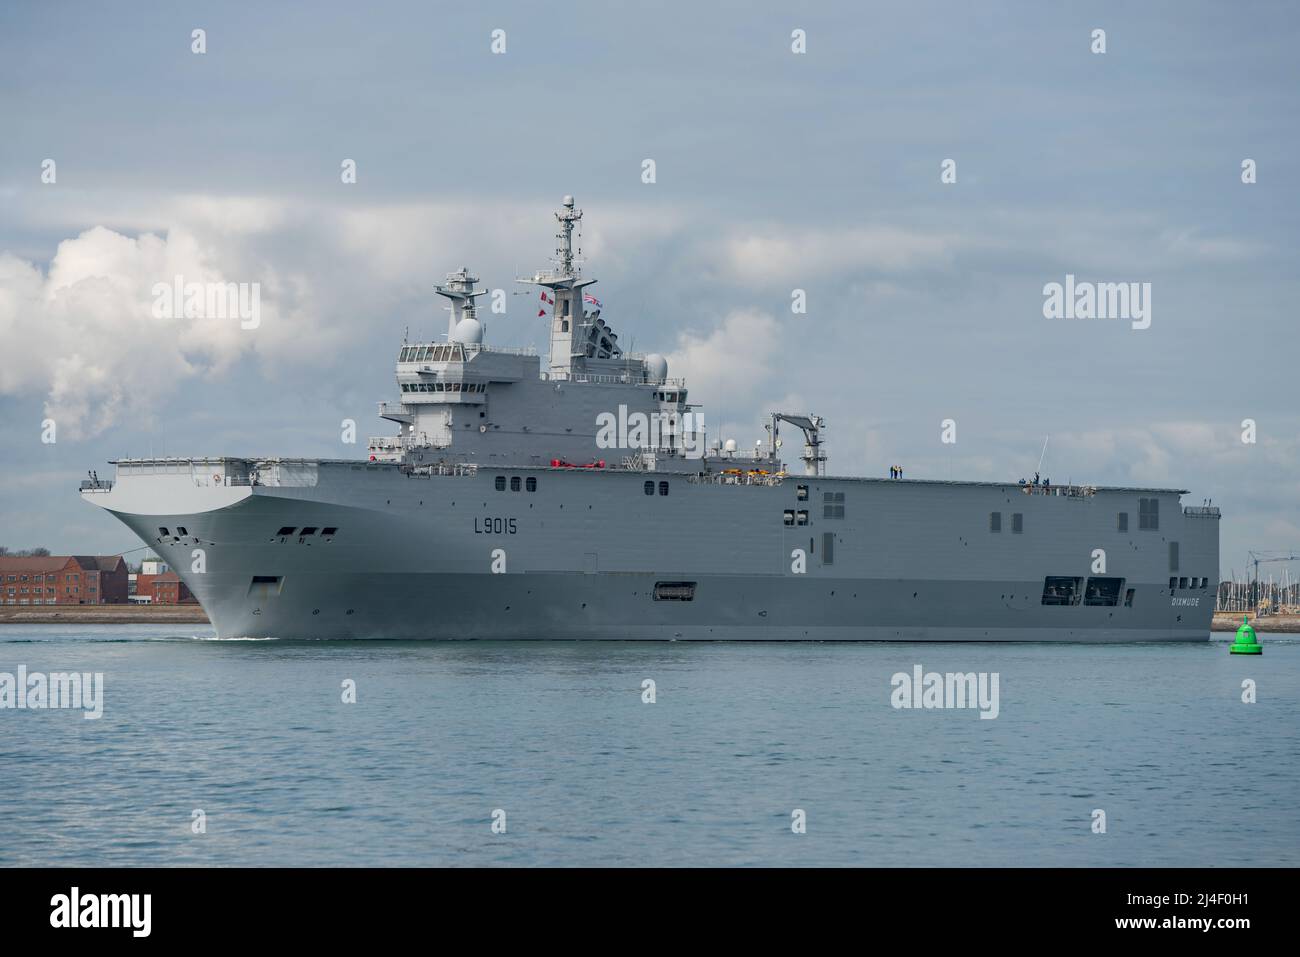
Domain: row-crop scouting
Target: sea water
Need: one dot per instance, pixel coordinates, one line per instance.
(592, 753)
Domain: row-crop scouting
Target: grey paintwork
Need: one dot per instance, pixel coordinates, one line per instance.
(426, 546)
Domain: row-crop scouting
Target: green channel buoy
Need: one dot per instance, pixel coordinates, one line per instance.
(1246, 643)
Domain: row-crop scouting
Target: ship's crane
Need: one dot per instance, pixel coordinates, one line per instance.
(814, 457)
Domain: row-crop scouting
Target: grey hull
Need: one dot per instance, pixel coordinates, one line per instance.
(456, 527)
(452, 557)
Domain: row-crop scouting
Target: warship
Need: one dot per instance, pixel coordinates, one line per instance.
(583, 499)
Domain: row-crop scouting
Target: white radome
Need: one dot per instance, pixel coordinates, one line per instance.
(656, 368)
(468, 331)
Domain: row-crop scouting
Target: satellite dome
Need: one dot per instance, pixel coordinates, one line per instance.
(729, 445)
(656, 368)
(468, 331)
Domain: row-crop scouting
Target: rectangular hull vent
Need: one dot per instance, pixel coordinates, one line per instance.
(674, 591)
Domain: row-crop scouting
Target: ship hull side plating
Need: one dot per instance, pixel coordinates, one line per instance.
(580, 557)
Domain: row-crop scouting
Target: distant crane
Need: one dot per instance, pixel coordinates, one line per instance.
(1258, 558)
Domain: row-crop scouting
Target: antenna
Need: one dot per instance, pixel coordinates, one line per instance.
(564, 252)
(1042, 456)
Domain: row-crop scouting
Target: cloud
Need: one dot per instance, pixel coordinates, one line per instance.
(81, 332)
(766, 255)
(84, 332)
(733, 362)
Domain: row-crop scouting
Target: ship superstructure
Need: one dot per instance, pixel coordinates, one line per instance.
(585, 499)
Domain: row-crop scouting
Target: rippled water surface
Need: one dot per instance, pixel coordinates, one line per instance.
(255, 734)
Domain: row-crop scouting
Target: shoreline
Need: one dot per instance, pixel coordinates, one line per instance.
(1272, 624)
(194, 614)
(102, 614)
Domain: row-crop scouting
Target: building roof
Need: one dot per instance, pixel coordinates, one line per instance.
(102, 563)
(54, 563)
(33, 563)
(167, 576)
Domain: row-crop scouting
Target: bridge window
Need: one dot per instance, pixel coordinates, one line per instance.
(181, 530)
(500, 483)
(995, 521)
(331, 530)
(663, 488)
(1149, 513)
(1128, 598)
(1059, 590)
(649, 488)
(802, 517)
(514, 483)
(163, 531)
(531, 483)
(308, 530)
(1173, 582)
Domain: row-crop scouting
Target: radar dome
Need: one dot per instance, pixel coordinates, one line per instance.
(468, 331)
(729, 445)
(656, 368)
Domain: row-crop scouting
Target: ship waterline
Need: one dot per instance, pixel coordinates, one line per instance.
(498, 511)
(374, 551)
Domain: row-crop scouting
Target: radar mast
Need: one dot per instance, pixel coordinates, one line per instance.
(570, 326)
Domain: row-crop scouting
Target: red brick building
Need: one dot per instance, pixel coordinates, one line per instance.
(164, 589)
(63, 580)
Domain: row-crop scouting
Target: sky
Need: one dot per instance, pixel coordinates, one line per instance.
(774, 171)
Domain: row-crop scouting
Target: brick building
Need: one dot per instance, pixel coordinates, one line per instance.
(62, 580)
(164, 589)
